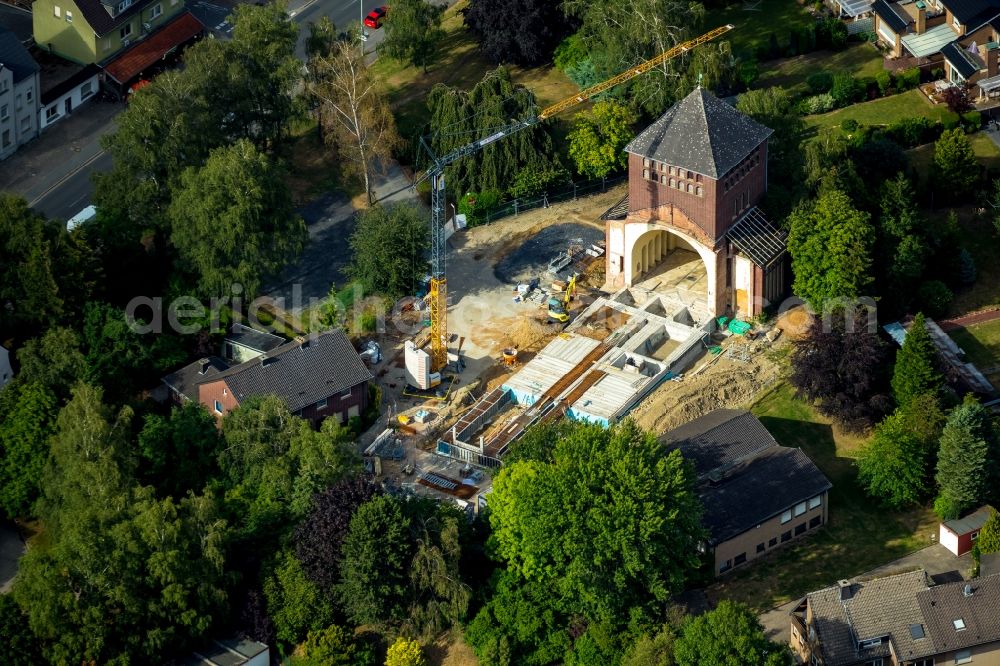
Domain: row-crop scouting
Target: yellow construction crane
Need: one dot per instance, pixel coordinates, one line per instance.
(438, 292)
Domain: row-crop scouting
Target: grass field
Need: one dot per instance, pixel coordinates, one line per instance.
(880, 111)
(754, 28)
(980, 238)
(791, 73)
(981, 343)
(859, 535)
(460, 64)
(987, 152)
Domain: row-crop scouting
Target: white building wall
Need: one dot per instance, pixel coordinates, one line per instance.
(634, 231)
(55, 110)
(948, 539)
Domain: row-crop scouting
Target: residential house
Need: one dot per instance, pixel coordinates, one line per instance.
(696, 177)
(959, 535)
(19, 86)
(757, 495)
(900, 620)
(17, 20)
(243, 343)
(318, 377)
(66, 86)
(6, 371)
(124, 36)
(183, 383)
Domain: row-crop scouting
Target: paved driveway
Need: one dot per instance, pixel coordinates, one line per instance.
(936, 559)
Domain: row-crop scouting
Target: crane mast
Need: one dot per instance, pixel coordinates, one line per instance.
(438, 291)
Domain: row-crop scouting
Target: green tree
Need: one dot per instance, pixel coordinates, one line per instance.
(354, 111)
(955, 166)
(901, 240)
(121, 576)
(439, 597)
(233, 220)
(989, 535)
(27, 420)
(390, 244)
(968, 449)
(772, 107)
(654, 650)
(322, 37)
(893, 465)
(334, 646)
(563, 525)
(729, 635)
(405, 652)
(458, 117)
(413, 32)
(831, 243)
(117, 358)
(374, 560)
(54, 360)
(19, 646)
(599, 137)
(916, 371)
(294, 604)
(179, 452)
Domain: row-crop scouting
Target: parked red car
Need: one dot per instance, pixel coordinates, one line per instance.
(375, 17)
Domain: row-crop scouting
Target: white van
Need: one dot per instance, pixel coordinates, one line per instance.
(84, 216)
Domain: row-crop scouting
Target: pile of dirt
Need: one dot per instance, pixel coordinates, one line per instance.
(725, 384)
(527, 333)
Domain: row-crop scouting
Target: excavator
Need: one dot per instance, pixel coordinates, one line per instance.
(559, 307)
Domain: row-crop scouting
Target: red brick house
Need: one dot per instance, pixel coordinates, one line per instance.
(696, 177)
(318, 377)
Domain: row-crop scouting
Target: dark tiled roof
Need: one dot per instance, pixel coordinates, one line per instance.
(966, 11)
(58, 90)
(619, 211)
(887, 12)
(101, 21)
(982, 18)
(756, 237)
(960, 60)
(185, 381)
(719, 439)
(759, 488)
(701, 133)
(883, 607)
(151, 50)
(18, 21)
(970, 522)
(15, 57)
(979, 611)
(300, 373)
(251, 338)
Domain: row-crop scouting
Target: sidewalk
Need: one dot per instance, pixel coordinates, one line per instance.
(62, 150)
(935, 559)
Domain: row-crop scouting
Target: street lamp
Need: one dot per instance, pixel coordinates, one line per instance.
(361, 18)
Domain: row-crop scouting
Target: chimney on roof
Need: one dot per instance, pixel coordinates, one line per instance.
(921, 18)
(967, 590)
(846, 589)
(266, 361)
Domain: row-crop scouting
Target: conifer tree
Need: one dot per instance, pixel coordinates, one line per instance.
(916, 365)
(968, 447)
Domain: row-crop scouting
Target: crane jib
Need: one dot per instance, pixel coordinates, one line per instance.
(492, 138)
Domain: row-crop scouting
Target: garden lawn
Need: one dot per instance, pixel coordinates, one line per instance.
(459, 64)
(859, 60)
(921, 157)
(881, 111)
(980, 237)
(753, 28)
(859, 534)
(981, 343)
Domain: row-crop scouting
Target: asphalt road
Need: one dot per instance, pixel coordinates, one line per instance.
(74, 193)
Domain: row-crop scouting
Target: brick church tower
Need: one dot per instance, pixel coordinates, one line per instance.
(696, 177)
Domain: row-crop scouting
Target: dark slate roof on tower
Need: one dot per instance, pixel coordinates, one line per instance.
(15, 57)
(700, 133)
(300, 372)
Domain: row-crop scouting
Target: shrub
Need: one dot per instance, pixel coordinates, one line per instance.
(868, 87)
(957, 99)
(911, 132)
(908, 79)
(937, 73)
(884, 82)
(819, 82)
(831, 34)
(936, 297)
(849, 125)
(846, 89)
(950, 121)
(476, 205)
(972, 121)
(818, 104)
(966, 267)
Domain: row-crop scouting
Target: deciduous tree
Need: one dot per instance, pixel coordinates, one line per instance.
(893, 465)
(179, 452)
(989, 535)
(354, 111)
(519, 32)
(334, 646)
(405, 652)
(294, 604)
(390, 247)
(598, 139)
(27, 420)
(831, 243)
(955, 166)
(729, 635)
(54, 360)
(842, 365)
(233, 220)
(412, 32)
(19, 646)
(916, 370)
(969, 449)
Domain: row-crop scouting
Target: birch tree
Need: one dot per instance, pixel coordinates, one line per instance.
(353, 112)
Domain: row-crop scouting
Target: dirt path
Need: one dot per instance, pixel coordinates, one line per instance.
(979, 317)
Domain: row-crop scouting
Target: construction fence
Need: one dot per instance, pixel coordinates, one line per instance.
(569, 193)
